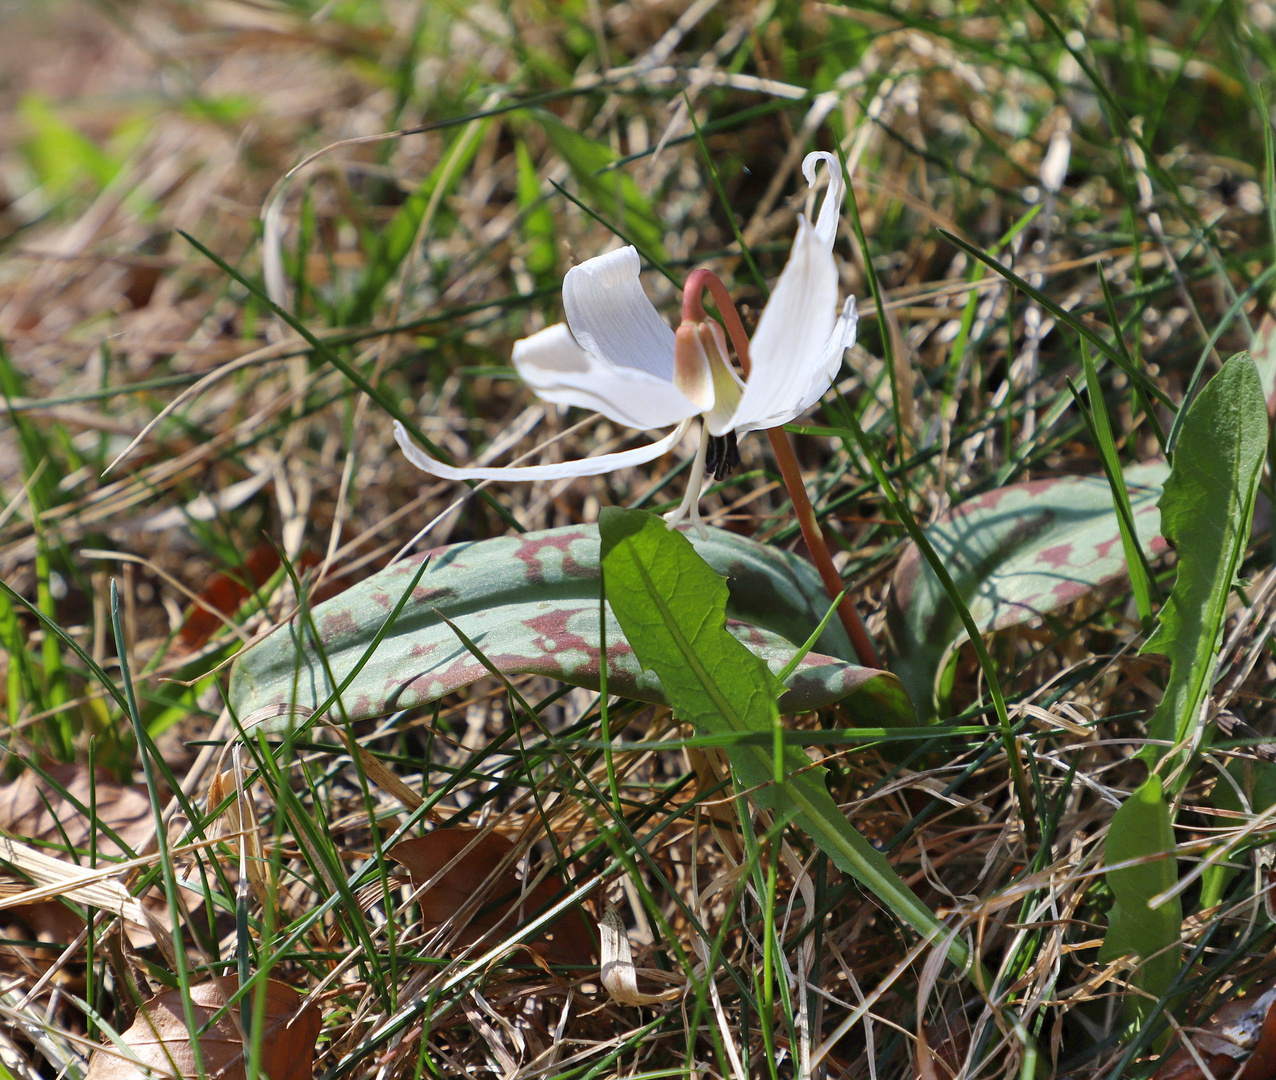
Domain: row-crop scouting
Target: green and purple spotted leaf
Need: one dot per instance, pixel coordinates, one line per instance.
(1262, 351)
(530, 603)
(1015, 553)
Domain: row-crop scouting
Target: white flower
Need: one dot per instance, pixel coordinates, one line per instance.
(617, 356)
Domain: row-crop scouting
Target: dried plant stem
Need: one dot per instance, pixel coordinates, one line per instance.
(693, 309)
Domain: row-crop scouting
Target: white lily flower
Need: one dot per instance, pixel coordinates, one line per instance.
(617, 356)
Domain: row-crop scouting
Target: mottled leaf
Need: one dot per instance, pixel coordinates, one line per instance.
(530, 603)
(1014, 553)
(1262, 351)
(1205, 513)
(672, 606)
(1141, 833)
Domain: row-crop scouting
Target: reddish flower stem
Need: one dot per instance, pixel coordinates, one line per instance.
(693, 311)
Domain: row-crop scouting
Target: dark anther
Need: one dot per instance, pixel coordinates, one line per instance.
(723, 456)
(713, 455)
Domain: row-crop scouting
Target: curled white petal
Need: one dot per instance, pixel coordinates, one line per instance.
(592, 466)
(611, 317)
(811, 378)
(559, 370)
(831, 207)
(787, 350)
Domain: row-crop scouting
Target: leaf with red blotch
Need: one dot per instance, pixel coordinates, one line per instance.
(530, 604)
(567, 940)
(1014, 553)
(1262, 351)
(162, 1045)
(1243, 1030)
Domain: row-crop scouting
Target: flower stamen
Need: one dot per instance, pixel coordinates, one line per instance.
(690, 505)
(723, 457)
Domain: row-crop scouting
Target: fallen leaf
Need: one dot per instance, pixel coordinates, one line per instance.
(566, 940)
(942, 1049)
(159, 1039)
(223, 595)
(32, 810)
(226, 592)
(618, 974)
(1243, 1030)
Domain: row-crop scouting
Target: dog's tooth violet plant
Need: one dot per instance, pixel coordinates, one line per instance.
(617, 356)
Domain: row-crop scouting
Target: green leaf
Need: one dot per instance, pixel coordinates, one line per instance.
(1141, 830)
(672, 607)
(58, 153)
(1096, 418)
(611, 192)
(1205, 514)
(1014, 553)
(530, 602)
(1257, 781)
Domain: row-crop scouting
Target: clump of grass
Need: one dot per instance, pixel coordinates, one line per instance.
(530, 136)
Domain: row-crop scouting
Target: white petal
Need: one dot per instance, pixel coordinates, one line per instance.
(559, 370)
(823, 373)
(787, 351)
(812, 380)
(593, 466)
(831, 207)
(612, 318)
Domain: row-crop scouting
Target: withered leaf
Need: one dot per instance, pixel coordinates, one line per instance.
(222, 596)
(567, 940)
(618, 973)
(159, 1039)
(33, 810)
(942, 1048)
(1243, 1030)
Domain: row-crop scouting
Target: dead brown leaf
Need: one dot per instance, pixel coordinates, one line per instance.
(160, 1041)
(1241, 1031)
(566, 940)
(941, 1049)
(33, 810)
